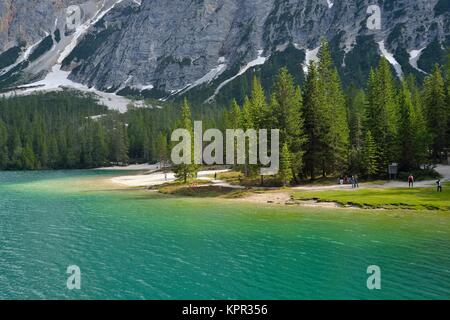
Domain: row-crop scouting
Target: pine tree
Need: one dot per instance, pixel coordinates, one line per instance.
(356, 104)
(247, 122)
(119, 145)
(53, 153)
(435, 106)
(313, 125)
(422, 138)
(336, 138)
(285, 172)
(28, 157)
(370, 155)
(381, 114)
(186, 172)
(16, 151)
(100, 147)
(3, 146)
(286, 115)
(162, 149)
(258, 105)
(406, 134)
(235, 116)
(447, 73)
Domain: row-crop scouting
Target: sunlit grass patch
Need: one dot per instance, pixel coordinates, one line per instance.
(395, 198)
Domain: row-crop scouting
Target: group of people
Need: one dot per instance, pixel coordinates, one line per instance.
(411, 183)
(353, 180)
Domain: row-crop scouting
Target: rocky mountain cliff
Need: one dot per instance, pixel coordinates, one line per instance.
(167, 48)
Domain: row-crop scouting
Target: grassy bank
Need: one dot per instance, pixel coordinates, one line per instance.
(376, 198)
(200, 190)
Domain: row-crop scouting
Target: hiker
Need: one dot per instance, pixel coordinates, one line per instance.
(411, 181)
(439, 185)
(215, 176)
(352, 181)
(356, 182)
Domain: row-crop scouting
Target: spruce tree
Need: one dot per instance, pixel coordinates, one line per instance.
(100, 147)
(247, 122)
(370, 156)
(3, 146)
(381, 114)
(356, 104)
(285, 171)
(186, 172)
(422, 138)
(162, 149)
(406, 134)
(313, 125)
(258, 105)
(336, 135)
(286, 115)
(435, 106)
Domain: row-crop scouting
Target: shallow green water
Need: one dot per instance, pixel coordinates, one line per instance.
(135, 245)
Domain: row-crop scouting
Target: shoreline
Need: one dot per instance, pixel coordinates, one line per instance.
(219, 189)
(278, 197)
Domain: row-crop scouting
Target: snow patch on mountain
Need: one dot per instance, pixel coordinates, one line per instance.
(24, 57)
(310, 56)
(209, 77)
(282, 47)
(414, 56)
(390, 57)
(260, 60)
(57, 79)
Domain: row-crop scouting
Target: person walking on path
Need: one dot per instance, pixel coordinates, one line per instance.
(411, 181)
(355, 179)
(439, 185)
(352, 181)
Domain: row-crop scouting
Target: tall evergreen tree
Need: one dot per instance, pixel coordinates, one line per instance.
(314, 125)
(119, 145)
(381, 114)
(370, 156)
(336, 137)
(162, 149)
(100, 147)
(3, 146)
(406, 134)
(258, 105)
(286, 115)
(186, 172)
(285, 172)
(356, 104)
(435, 106)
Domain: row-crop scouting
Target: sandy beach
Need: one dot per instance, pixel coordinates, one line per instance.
(152, 179)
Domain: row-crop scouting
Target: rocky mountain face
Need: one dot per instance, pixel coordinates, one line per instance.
(167, 48)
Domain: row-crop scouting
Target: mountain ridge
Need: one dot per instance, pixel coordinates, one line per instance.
(160, 49)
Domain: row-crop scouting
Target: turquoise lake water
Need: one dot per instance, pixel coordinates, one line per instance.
(138, 245)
